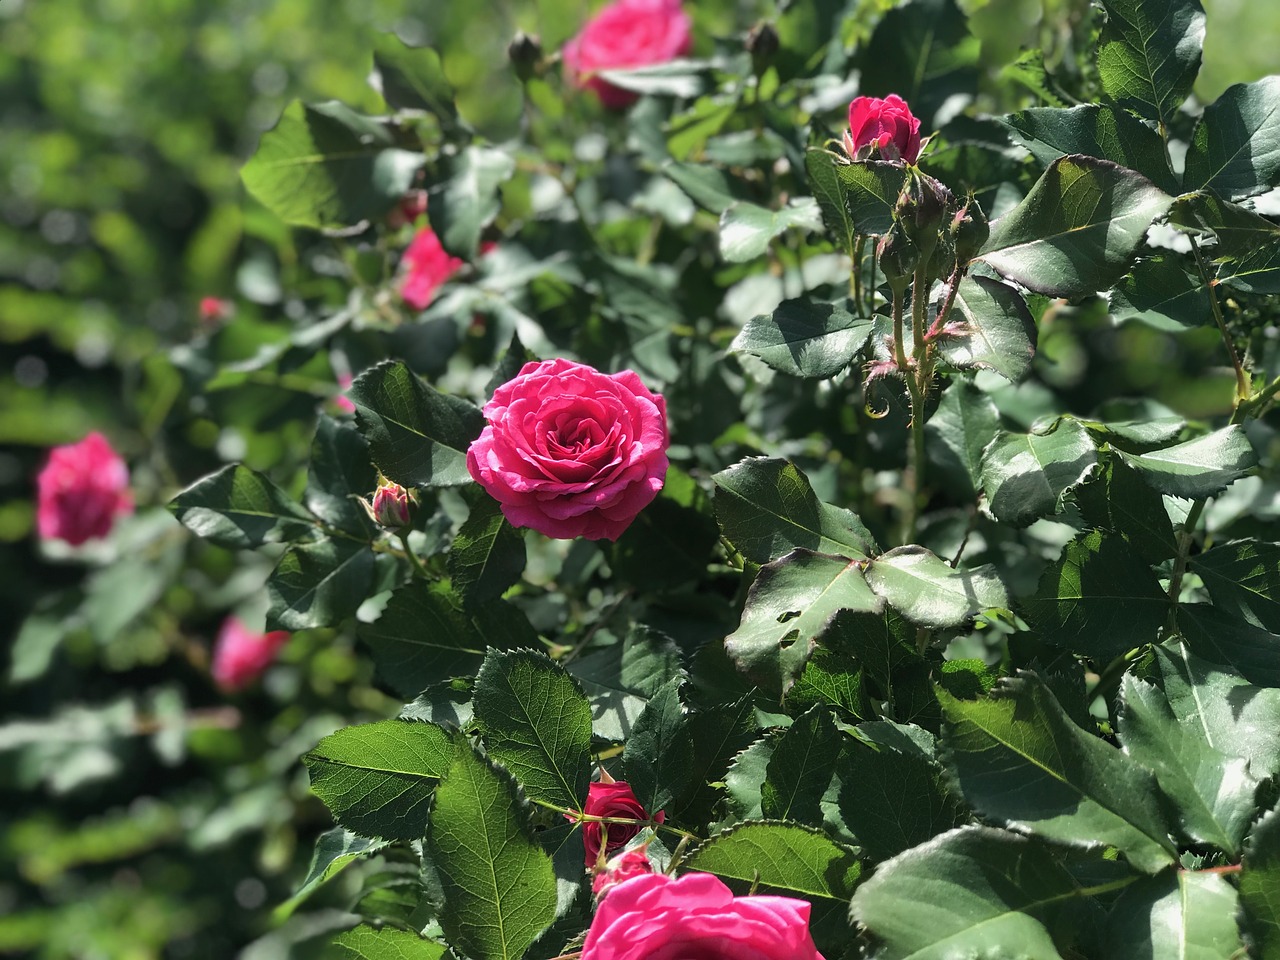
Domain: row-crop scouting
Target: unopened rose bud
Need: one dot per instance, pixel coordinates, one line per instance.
(897, 257)
(969, 231)
(922, 208)
(525, 53)
(632, 863)
(391, 507)
(762, 43)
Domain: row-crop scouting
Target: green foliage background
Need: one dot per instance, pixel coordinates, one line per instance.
(143, 813)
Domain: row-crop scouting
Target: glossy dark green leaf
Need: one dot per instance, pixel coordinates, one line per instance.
(619, 679)
(787, 858)
(335, 850)
(536, 721)
(1235, 150)
(1246, 247)
(1149, 54)
(1076, 232)
(366, 942)
(791, 603)
(1260, 889)
(745, 777)
(499, 885)
(991, 327)
(1019, 759)
(805, 338)
(323, 165)
(1161, 294)
(339, 474)
(1119, 502)
(800, 770)
(467, 201)
(871, 189)
(658, 758)
(830, 679)
(1098, 600)
(1197, 468)
(1232, 642)
(487, 555)
(418, 437)
(1243, 578)
(319, 584)
(239, 508)
(412, 78)
(378, 778)
(930, 592)
(820, 168)
(746, 229)
(1025, 475)
(1185, 913)
(961, 427)
(766, 507)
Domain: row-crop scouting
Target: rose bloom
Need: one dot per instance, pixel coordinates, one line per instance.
(656, 917)
(572, 452)
(611, 798)
(626, 33)
(426, 267)
(240, 655)
(883, 126)
(213, 309)
(631, 863)
(81, 491)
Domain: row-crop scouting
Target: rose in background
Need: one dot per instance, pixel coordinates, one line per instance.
(696, 916)
(426, 267)
(240, 655)
(628, 33)
(611, 798)
(882, 130)
(81, 491)
(572, 452)
(630, 863)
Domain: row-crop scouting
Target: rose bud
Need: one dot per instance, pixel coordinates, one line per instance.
(923, 207)
(762, 43)
(897, 257)
(241, 655)
(969, 231)
(214, 310)
(81, 491)
(628, 864)
(408, 210)
(610, 798)
(626, 33)
(392, 506)
(525, 54)
(882, 130)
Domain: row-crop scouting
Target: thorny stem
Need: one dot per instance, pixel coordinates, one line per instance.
(940, 321)
(1111, 674)
(855, 275)
(1244, 387)
(581, 817)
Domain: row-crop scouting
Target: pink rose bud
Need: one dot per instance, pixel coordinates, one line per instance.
(882, 130)
(81, 491)
(212, 309)
(341, 400)
(626, 33)
(571, 452)
(392, 506)
(628, 864)
(611, 798)
(240, 655)
(408, 210)
(696, 915)
(426, 267)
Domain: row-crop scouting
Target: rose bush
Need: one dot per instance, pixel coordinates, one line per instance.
(656, 917)
(426, 266)
(611, 798)
(240, 655)
(571, 452)
(81, 490)
(628, 33)
(885, 127)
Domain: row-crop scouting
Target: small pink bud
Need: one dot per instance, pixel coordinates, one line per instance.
(391, 506)
(241, 655)
(212, 310)
(631, 863)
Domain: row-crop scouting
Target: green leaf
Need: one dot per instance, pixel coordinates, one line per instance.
(239, 508)
(1149, 54)
(871, 189)
(719, 734)
(882, 643)
(385, 943)
(319, 584)
(658, 758)
(788, 858)
(1230, 641)
(1235, 150)
(1098, 600)
(487, 555)
(323, 165)
(339, 474)
(972, 892)
(335, 850)
(499, 885)
(422, 636)
(1185, 913)
(1118, 501)
(820, 168)
(930, 592)
(418, 437)
(789, 606)
(1025, 475)
(745, 778)
(536, 722)
(805, 338)
(766, 507)
(1137, 436)
(1020, 760)
(1095, 131)
(1077, 230)
(831, 679)
(1260, 889)
(1247, 247)
(467, 201)
(707, 186)
(1213, 793)
(619, 679)
(1199, 468)
(412, 78)
(961, 427)
(994, 329)
(674, 78)
(378, 778)
(746, 230)
(1243, 578)
(800, 770)
(1159, 293)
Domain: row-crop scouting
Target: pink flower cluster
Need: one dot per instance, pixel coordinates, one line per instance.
(626, 33)
(81, 490)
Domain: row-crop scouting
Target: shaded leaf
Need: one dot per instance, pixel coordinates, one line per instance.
(239, 508)
(1025, 475)
(820, 169)
(412, 78)
(800, 770)
(931, 593)
(964, 422)
(1161, 294)
(1229, 641)
(1235, 150)
(871, 189)
(467, 201)
(1180, 914)
(1197, 468)
(1149, 54)
(487, 555)
(747, 229)
(992, 328)
(1243, 578)
(318, 584)
(805, 338)
(658, 757)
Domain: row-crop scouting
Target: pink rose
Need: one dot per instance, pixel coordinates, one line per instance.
(626, 33)
(632, 863)
(81, 491)
(212, 309)
(240, 655)
(882, 129)
(426, 267)
(611, 798)
(391, 507)
(656, 917)
(341, 400)
(570, 451)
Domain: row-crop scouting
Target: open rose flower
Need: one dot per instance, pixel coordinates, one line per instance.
(426, 267)
(626, 33)
(572, 452)
(240, 655)
(611, 798)
(882, 129)
(81, 491)
(656, 916)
